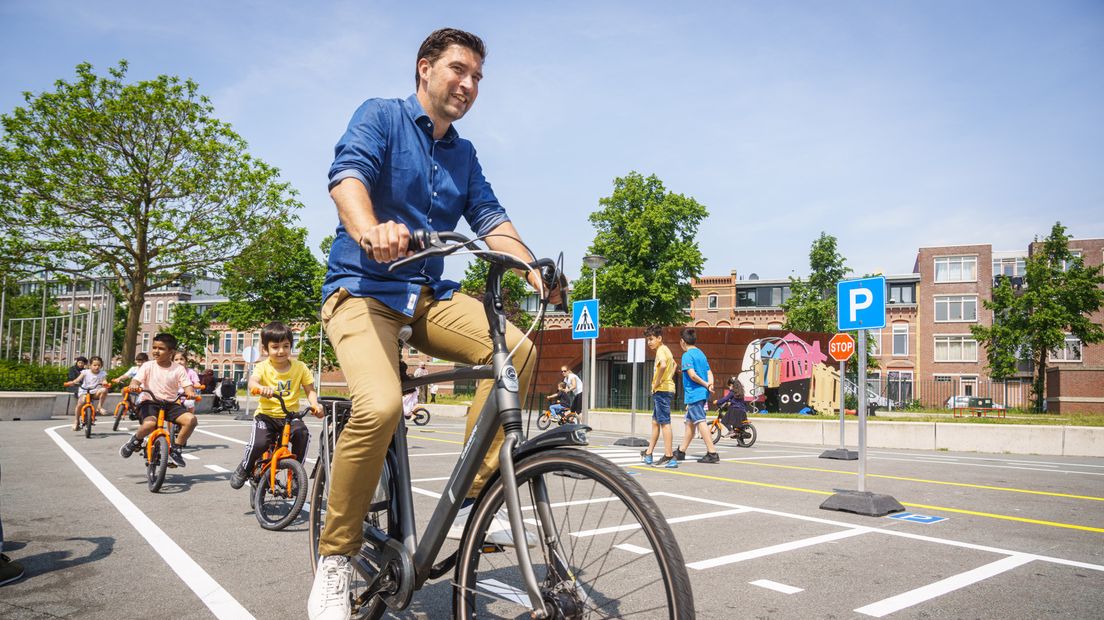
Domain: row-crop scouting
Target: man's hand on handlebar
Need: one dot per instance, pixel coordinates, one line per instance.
(386, 242)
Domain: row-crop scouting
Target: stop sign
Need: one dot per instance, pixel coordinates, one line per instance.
(841, 347)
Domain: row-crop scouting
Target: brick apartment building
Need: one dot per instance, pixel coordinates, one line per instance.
(926, 350)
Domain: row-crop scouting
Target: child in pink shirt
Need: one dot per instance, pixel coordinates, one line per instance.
(164, 379)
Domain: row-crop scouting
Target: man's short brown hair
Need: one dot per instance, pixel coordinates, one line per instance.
(439, 40)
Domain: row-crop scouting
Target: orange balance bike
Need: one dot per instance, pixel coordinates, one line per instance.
(156, 446)
(278, 480)
(126, 407)
(86, 414)
(745, 433)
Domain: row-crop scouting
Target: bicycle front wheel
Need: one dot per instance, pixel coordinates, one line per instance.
(716, 430)
(120, 409)
(611, 553)
(277, 506)
(87, 413)
(421, 416)
(158, 464)
(544, 421)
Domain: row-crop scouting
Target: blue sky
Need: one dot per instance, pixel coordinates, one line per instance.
(891, 125)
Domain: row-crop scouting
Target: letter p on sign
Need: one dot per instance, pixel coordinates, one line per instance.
(861, 299)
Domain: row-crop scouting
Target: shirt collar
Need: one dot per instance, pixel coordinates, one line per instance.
(417, 114)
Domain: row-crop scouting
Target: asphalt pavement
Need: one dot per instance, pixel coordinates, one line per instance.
(988, 536)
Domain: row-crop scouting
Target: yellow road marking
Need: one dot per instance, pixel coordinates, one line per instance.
(924, 480)
(409, 436)
(990, 515)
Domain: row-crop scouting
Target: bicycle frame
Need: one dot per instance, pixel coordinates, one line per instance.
(502, 409)
(157, 432)
(87, 405)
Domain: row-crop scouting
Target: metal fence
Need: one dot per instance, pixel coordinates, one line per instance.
(898, 390)
(84, 328)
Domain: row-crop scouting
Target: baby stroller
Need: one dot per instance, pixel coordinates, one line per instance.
(226, 399)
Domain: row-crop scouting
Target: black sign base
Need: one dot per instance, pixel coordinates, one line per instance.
(863, 503)
(840, 454)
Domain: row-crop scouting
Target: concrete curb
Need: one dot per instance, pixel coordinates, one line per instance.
(987, 438)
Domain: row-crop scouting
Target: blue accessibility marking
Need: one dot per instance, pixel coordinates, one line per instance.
(915, 518)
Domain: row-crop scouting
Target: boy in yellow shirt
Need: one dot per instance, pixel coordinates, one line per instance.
(287, 377)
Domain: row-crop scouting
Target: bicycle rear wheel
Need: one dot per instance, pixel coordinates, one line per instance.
(158, 464)
(746, 436)
(421, 416)
(276, 507)
(613, 554)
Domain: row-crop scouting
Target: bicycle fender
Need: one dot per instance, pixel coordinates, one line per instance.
(566, 435)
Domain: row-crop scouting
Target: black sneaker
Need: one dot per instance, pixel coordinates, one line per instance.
(710, 457)
(237, 479)
(680, 455)
(663, 461)
(174, 454)
(128, 448)
(10, 570)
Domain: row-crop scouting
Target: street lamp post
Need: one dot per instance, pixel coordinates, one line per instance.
(594, 263)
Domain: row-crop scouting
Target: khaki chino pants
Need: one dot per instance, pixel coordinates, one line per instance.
(365, 334)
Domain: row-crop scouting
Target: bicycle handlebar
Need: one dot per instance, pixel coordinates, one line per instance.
(291, 415)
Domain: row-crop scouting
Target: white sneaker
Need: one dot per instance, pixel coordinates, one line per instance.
(329, 597)
(499, 532)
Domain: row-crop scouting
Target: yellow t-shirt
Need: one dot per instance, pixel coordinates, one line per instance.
(288, 385)
(665, 381)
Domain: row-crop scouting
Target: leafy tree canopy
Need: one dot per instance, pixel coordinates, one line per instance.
(812, 303)
(276, 278)
(514, 291)
(136, 180)
(1059, 297)
(190, 327)
(649, 237)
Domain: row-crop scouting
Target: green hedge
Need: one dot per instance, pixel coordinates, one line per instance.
(15, 377)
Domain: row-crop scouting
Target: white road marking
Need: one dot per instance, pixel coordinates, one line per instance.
(190, 457)
(763, 458)
(944, 586)
(218, 469)
(633, 548)
(430, 479)
(636, 526)
(773, 549)
(200, 430)
(425, 492)
(505, 591)
(777, 587)
(435, 454)
(213, 595)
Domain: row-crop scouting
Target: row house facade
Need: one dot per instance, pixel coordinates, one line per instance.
(926, 350)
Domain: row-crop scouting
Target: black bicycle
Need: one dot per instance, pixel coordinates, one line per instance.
(596, 545)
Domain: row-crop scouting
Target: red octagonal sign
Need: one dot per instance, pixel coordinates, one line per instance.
(841, 347)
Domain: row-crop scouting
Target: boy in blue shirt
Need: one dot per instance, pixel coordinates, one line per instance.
(697, 383)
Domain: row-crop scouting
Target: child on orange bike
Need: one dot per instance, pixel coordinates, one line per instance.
(164, 378)
(560, 401)
(139, 359)
(279, 374)
(736, 416)
(90, 381)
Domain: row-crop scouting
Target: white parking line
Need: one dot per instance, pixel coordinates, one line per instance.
(633, 549)
(773, 549)
(200, 430)
(213, 595)
(950, 584)
(217, 469)
(777, 587)
(635, 526)
(190, 457)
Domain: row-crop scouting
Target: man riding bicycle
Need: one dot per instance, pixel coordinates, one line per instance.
(401, 165)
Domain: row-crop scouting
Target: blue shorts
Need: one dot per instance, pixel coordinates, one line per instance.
(661, 407)
(695, 412)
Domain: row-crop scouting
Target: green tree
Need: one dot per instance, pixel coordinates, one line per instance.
(514, 291)
(648, 235)
(138, 181)
(308, 349)
(1059, 297)
(191, 327)
(276, 278)
(812, 303)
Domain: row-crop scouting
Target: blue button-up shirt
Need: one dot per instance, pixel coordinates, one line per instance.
(412, 179)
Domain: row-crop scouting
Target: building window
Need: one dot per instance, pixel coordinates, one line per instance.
(746, 298)
(774, 325)
(1010, 267)
(902, 293)
(1066, 264)
(215, 369)
(239, 372)
(955, 349)
(254, 338)
(956, 269)
(215, 344)
(227, 341)
(146, 313)
(241, 343)
(712, 302)
(762, 296)
(900, 338)
(295, 341)
(874, 336)
(160, 312)
(955, 308)
(873, 382)
(1070, 351)
(899, 386)
(145, 343)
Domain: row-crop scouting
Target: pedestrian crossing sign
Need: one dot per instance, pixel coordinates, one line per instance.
(584, 319)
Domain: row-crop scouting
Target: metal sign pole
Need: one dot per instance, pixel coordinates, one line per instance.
(860, 381)
(843, 400)
(632, 414)
(585, 405)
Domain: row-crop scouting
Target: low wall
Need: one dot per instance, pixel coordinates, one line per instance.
(26, 406)
(985, 438)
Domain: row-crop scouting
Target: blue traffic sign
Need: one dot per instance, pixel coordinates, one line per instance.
(861, 304)
(584, 319)
(915, 518)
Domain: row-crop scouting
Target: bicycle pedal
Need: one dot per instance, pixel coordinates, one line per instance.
(172, 465)
(491, 548)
